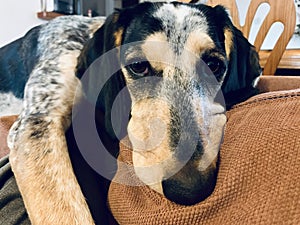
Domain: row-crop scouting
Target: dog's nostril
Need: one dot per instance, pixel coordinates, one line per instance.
(189, 189)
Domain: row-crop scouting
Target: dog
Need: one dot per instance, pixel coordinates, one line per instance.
(174, 60)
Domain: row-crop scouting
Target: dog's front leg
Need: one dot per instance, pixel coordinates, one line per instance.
(39, 155)
(45, 177)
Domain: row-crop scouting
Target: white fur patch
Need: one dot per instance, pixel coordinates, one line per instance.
(9, 104)
(181, 14)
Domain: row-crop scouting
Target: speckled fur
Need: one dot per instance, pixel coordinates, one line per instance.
(37, 141)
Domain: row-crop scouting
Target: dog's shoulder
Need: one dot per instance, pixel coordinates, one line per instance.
(50, 40)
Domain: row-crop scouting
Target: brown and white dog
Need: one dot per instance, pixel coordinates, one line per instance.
(175, 60)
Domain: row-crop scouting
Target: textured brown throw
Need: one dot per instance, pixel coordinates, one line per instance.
(5, 124)
(258, 180)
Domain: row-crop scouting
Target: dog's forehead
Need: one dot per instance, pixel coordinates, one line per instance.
(175, 20)
(183, 27)
(181, 18)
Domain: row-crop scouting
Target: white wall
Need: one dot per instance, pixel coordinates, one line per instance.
(16, 18)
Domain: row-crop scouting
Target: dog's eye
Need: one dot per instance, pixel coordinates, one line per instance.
(215, 65)
(140, 68)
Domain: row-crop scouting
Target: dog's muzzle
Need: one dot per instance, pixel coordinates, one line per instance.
(175, 150)
(196, 159)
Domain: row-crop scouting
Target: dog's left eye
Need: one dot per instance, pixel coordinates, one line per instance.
(140, 68)
(215, 65)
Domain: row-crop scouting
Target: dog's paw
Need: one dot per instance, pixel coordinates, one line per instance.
(42, 167)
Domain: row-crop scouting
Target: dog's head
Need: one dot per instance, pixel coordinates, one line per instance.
(176, 60)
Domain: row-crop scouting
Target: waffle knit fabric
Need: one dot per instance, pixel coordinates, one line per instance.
(259, 174)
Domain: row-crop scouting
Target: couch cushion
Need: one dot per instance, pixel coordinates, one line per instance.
(259, 175)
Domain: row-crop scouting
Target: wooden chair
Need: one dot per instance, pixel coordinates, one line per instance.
(280, 11)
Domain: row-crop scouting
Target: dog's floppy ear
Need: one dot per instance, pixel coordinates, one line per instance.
(101, 42)
(243, 69)
(102, 80)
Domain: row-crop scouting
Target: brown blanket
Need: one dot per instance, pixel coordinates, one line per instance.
(258, 180)
(5, 124)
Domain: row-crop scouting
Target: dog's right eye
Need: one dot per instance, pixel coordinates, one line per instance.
(139, 68)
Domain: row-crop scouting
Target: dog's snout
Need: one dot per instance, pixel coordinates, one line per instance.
(189, 186)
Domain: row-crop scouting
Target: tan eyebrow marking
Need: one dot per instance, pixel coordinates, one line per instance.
(118, 36)
(228, 42)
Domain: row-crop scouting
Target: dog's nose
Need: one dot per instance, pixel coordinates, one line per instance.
(190, 186)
